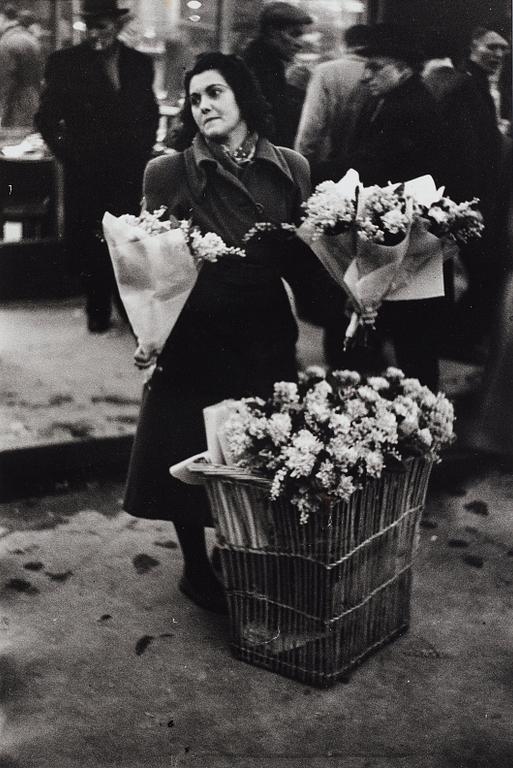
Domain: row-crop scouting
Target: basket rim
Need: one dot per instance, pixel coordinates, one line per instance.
(207, 469)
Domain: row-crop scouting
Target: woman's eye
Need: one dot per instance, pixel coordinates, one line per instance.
(195, 100)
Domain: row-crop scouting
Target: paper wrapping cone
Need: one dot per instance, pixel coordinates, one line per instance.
(371, 275)
(155, 275)
(214, 417)
(420, 275)
(181, 470)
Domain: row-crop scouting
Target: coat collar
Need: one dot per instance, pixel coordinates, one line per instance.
(265, 152)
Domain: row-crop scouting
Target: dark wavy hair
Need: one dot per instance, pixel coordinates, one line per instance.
(254, 109)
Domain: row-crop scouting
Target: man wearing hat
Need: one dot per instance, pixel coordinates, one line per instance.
(281, 28)
(99, 116)
(397, 136)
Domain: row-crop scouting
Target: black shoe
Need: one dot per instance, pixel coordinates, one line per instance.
(98, 326)
(206, 593)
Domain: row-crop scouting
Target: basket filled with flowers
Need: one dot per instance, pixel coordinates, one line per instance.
(317, 514)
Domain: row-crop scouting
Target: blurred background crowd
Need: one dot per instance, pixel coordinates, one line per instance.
(430, 94)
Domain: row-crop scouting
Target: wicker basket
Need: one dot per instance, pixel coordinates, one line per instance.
(312, 601)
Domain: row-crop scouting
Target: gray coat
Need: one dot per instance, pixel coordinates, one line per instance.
(331, 100)
(20, 83)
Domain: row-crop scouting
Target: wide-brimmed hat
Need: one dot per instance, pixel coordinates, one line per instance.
(90, 8)
(395, 42)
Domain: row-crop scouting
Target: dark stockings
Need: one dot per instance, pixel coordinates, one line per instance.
(194, 549)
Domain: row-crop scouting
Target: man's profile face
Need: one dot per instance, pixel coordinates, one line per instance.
(101, 32)
(488, 51)
(289, 40)
(382, 74)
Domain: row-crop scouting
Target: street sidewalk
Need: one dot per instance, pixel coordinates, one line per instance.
(105, 664)
(69, 399)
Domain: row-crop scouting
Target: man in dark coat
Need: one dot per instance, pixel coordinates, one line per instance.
(21, 68)
(397, 136)
(486, 150)
(472, 170)
(282, 26)
(99, 116)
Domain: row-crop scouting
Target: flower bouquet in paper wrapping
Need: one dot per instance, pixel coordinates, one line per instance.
(156, 265)
(385, 243)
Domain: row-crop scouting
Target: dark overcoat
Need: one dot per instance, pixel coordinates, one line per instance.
(394, 138)
(285, 99)
(236, 334)
(103, 136)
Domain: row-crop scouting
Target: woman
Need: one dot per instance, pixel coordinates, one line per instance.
(236, 334)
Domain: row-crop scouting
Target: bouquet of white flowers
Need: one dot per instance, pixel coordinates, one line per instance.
(156, 263)
(460, 222)
(322, 439)
(386, 243)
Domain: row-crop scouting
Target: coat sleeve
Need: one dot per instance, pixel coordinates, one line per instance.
(318, 299)
(49, 119)
(164, 178)
(312, 135)
(148, 111)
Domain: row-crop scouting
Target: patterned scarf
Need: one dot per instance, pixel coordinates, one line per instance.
(234, 160)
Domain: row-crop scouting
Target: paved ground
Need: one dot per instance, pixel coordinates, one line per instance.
(61, 384)
(104, 663)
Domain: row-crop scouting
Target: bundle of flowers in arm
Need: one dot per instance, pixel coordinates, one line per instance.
(156, 264)
(208, 247)
(439, 226)
(383, 224)
(154, 272)
(320, 440)
(360, 236)
(267, 230)
(461, 222)
(328, 224)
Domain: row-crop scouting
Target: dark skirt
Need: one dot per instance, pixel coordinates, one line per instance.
(237, 349)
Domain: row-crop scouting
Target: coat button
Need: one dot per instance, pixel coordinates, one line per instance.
(259, 207)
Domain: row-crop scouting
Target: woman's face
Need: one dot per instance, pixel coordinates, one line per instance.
(214, 108)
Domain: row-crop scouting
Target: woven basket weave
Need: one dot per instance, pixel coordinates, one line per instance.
(312, 601)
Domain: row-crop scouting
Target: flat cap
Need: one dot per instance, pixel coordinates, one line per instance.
(281, 15)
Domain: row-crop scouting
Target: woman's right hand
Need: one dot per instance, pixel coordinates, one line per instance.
(144, 357)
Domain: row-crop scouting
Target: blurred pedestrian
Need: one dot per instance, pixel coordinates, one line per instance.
(99, 116)
(282, 26)
(22, 69)
(398, 135)
(334, 97)
(456, 96)
(493, 426)
(331, 100)
(483, 149)
(237, 334)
